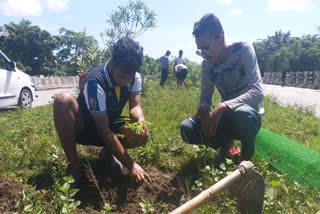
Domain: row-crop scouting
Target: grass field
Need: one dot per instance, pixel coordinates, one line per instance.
(33, 161)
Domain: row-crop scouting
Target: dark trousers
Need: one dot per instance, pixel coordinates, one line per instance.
(164, 76)
(242, 124)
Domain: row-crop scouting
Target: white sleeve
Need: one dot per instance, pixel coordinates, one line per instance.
(137, 85)
(95, 97)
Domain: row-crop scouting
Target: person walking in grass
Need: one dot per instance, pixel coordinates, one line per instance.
(91, 119)
(179, 60)
(181, 72)
(233, 70)
(164, 67)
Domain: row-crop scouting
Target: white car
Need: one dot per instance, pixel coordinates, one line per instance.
(16, 87)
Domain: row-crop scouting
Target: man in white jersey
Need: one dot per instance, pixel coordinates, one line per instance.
(234, 71)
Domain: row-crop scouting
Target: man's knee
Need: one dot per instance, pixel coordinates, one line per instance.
(63, 99)
(64, 106)
(187, 131)
(247, 122)
(64, 102)
(60, 101)
(185, 126)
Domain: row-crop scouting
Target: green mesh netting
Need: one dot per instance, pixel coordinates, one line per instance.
(296, 161)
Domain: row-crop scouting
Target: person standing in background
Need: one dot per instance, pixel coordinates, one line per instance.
(164, 67)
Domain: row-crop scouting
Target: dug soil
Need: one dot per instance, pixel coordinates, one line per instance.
(163, 192)
(10, 193)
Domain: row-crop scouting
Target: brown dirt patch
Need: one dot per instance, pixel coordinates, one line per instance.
(163, 192)
(10, 192)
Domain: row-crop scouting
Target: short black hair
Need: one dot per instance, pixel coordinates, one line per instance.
(210, 24)
(128, 54)
(181, 51)
(168, 52)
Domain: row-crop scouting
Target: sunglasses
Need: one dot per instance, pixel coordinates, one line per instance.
(204, 53)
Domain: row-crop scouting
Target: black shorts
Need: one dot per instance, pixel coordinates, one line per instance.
(89, 135)
(182, 74)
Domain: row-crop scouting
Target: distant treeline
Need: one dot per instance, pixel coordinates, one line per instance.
(37, 52)
(281, 52)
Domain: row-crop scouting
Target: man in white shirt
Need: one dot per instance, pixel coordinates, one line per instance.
(177, 61)
(181, 72)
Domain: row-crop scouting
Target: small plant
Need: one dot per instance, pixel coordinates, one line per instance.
(63, 201)
(135, 127)
(147, 153)
(107, 208)
(30, 202)
(197, 187)
(146, 206)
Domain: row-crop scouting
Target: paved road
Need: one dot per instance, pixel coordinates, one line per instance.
(45, 97)
(286, 95)
(291, 95)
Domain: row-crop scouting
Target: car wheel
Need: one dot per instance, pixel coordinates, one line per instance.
(25, 100)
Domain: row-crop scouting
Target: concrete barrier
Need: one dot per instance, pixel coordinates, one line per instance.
(301, 79)
(51, 82)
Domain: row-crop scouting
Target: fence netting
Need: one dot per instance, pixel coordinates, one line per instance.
(296, 161)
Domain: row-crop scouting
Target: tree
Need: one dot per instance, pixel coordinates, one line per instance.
(29, 46)
(281, 52)
(78, 51)
(267, 47)
(130, 20)
(279, 61)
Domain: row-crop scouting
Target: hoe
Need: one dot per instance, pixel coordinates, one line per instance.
(245, 183)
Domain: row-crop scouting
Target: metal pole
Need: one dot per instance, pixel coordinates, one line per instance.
(221, 185)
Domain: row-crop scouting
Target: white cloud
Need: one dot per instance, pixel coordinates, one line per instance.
(57, 5)
(224, 2)
(54, 29)
(289, 5)
(235, 12)
(21, 7)
(31, 7)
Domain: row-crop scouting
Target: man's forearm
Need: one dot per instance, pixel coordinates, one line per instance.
(136, 114)
(112, 142)
(203, 111)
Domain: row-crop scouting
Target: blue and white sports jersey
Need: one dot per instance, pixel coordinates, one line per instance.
(95, 97)
(100, 99)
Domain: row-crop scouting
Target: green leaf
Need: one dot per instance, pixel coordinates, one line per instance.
(65, 188)
(28, 208)
(271, 192)
(62, 197)
(275, 183)
(64, 210)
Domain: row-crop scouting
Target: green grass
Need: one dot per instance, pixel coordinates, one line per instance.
(293, 122)
(30, 150)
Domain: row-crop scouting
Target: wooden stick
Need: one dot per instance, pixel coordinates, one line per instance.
(212, 191)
